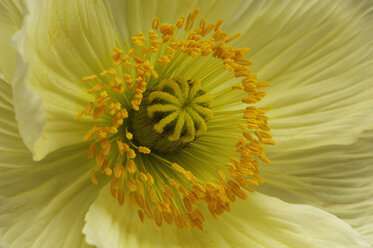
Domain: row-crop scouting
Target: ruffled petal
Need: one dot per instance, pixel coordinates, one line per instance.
(318, 57)
(60, 43)
(335, 178)
(42, 204)
(260, 221)
(49, 198)
(10, 22)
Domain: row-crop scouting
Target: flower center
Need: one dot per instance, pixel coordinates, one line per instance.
(172, 115)
(140, 106)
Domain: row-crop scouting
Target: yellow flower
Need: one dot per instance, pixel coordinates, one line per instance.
(144, 124)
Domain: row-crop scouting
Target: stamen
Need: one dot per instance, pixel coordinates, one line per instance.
(145, 110)
(93, 178)
(121, 196)
(144, 150)
(233, 37)
(180, 22)
(217, 25)
(90, 78)
(129, 135)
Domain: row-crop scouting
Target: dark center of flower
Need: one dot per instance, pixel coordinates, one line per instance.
(171, 115)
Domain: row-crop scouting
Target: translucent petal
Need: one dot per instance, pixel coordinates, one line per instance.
(318, 56)
(336, 178)
(260, 221)
(60, 43)
(42, 204)
(50, 198)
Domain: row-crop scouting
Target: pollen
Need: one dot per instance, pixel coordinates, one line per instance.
(145, 110)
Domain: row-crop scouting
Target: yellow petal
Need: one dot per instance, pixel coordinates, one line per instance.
(60, 43)
(50, 198)
(335, 178)
(260, 221)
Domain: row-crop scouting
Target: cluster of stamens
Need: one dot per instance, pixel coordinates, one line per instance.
(116, 145)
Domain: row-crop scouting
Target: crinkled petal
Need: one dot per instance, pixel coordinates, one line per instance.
(318, 57)
(261, 221)
(60, 43)
(336, 178)
(318, 60)
(42, 204)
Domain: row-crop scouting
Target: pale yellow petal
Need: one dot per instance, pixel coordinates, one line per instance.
(60, 43)
(336, 178)
(259, 222)
(42, 204)
(318, 56)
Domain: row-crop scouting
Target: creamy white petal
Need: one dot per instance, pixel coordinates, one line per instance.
(60, 43)
(318, 57)
(318, 60)
(10, 22)
(42, 204)
(336, 178)
(260, 221)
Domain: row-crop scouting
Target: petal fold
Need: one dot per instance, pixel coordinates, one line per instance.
(42, 204)
(59, 44)
(318, 56)
(336, 178)
(261, 221)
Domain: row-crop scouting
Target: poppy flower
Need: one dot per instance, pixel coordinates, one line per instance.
(152, 124)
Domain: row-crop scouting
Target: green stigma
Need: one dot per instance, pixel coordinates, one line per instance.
(172, 114)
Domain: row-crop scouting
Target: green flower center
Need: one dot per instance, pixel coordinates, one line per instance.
(172, 114)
